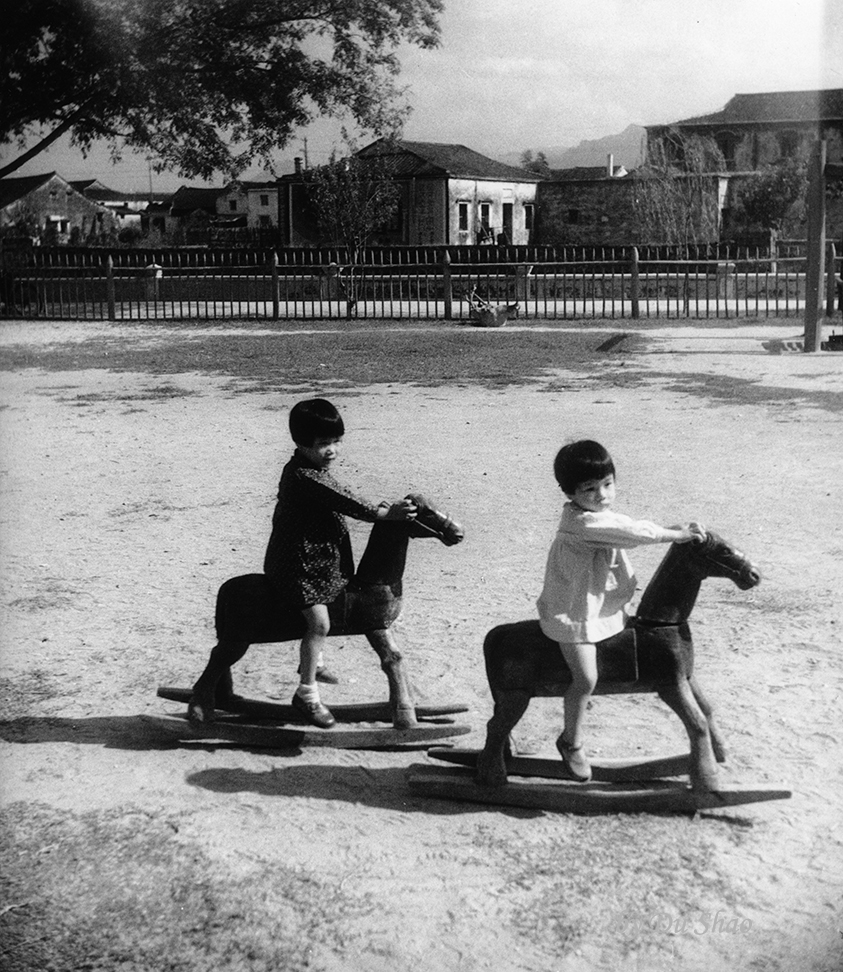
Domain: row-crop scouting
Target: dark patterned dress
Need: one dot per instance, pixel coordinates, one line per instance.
(309, 560)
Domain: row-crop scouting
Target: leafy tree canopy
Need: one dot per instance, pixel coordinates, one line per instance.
(201, 86)
(769, 198)
(537, 163)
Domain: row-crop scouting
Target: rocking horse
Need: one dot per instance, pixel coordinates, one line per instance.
(654, 653)
(482, 313)
(248, 613)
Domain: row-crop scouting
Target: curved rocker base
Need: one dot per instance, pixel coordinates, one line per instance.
(627, 770)
(234, 729)
(278, 712)
(457, 783)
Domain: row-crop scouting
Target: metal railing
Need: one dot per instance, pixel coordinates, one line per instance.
(394, 283)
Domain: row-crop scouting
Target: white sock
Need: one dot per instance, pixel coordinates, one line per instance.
(310, 693)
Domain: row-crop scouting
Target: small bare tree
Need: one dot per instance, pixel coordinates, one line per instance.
(676, 195)
(354, 197)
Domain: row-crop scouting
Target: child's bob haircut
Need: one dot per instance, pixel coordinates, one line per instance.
(580, 462)
(315, 419)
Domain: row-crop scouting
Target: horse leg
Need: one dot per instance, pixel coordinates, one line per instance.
(717, 743)
(510, 705)
(400, 698)
(680, 698)
(215, 683)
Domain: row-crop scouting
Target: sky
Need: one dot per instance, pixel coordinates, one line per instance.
(511, 75)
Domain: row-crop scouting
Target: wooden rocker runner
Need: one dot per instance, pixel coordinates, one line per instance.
(654, 654)
(247, 613)
(271, 725)
(618, 785)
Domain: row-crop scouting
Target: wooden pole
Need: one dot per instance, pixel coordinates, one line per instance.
(636, 284)
(446, 285)
(830, 279)
(275, 301)
(109, 284)
(815, 256)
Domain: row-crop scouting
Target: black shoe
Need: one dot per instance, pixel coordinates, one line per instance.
(315, 712)
(576, 764)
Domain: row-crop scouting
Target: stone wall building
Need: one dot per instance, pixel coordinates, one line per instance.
(753, 132)
(589, 206)
(757, 130)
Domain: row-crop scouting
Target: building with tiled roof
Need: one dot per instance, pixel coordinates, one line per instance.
(756, 130)
(51, 209)
(252, 204)
(588, 173)
(449, 194)
(436, 159)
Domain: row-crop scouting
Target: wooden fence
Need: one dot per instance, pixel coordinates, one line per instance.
(548, 283)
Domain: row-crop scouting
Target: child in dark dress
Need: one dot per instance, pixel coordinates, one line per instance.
(309, 560)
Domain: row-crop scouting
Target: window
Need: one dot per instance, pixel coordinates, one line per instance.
(573, 216)
(727, 142)
(232, 205)
(395, 223)
(529, 216)
(264, 199)
(788, 144)
(264, 221)
(507, 221)
(485, 215)
(462, 217)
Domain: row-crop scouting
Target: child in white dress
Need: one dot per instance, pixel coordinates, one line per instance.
(589, 580)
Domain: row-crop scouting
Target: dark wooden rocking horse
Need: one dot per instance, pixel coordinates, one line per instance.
(654, 653)
(247, 613)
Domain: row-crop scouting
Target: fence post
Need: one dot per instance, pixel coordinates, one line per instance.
(446, 284)
(774, 250)
(109, 285)
(830, 279)
(636, 283)
(815, 253)
(726, 281)
(276, 310)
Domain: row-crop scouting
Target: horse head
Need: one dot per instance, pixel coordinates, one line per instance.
(671, 594)
(717, 557)
(432, 523)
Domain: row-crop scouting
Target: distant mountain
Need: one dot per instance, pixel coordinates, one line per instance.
(626, 147)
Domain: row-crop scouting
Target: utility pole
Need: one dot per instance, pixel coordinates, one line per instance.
(815, 255)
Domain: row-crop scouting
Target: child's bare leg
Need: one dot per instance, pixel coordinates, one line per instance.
(581, 658)
(314, 641)
(307, 698)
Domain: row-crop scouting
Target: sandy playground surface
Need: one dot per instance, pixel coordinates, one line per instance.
(125, 505)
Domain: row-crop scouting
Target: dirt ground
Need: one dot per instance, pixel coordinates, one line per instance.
(128, 498)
